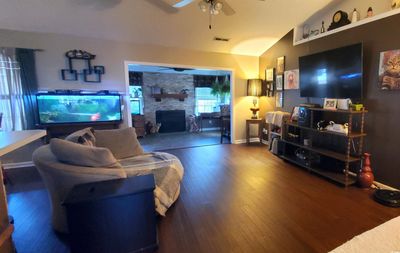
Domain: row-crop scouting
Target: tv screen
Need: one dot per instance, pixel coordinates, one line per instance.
(332, 74)
(81, 108)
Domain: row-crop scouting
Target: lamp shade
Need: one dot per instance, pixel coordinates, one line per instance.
(254, 87)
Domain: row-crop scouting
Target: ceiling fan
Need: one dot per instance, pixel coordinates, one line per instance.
(173, 68)
(212, 7)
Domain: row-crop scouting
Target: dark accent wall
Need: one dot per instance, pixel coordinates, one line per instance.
(383, 119)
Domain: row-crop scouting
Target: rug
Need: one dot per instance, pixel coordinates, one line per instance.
(384, 238)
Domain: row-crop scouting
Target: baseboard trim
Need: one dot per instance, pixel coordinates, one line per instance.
(384, 186)
(242, 141)
(10, 166)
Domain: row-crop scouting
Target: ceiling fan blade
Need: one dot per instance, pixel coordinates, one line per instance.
(227, 9)
(163, 6)
(182, 3)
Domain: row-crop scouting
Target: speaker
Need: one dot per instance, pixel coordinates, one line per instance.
(304, 117)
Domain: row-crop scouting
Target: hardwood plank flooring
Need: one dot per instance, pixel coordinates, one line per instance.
(234, 198)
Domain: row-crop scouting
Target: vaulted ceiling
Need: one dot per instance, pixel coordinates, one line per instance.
(256, 26)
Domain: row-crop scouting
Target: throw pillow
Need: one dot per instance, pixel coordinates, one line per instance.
(81, 155)
(122, 142)
(84, 136)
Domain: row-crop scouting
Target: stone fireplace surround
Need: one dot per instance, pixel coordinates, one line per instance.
(170, 83)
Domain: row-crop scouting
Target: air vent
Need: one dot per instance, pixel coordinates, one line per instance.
(221, 39)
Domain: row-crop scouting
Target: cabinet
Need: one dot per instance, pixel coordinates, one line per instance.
(138, 122)
(332, 155)
(113, 216)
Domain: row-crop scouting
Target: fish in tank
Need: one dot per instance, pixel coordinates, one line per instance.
(58, 109)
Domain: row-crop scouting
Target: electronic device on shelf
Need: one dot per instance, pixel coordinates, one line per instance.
(336, 73)
(304, 118)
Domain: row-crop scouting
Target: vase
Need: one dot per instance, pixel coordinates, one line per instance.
(365, 175)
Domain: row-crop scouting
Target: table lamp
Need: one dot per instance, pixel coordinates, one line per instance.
(254, 88)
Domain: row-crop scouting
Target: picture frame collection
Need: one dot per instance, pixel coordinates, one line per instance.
(278, 80)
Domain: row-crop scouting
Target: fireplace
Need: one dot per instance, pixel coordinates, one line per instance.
(171, 121)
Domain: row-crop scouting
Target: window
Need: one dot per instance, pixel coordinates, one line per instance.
(206, 102)
(11, 96)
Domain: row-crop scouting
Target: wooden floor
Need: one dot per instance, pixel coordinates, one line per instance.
(234, 198)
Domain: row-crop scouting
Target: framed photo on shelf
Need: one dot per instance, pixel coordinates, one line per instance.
(280, 65)
(269, 75)
(330, 103)
(279, 82)
(279, 99)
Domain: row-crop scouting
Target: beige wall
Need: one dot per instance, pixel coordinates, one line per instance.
(112, 55)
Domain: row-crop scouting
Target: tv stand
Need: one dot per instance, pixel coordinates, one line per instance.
(333, 155)
(61, 130)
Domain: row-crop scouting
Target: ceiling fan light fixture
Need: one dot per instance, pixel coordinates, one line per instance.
(217, 6)
(214, 11)
(203, 6)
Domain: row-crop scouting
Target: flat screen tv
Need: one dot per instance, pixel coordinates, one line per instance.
(336, 73)
(80, 108)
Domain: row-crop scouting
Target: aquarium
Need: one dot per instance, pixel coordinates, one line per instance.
(81, 108)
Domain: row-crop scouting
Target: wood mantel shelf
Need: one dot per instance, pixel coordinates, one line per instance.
(179, 96)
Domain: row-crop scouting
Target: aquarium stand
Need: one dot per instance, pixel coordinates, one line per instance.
(61, 130)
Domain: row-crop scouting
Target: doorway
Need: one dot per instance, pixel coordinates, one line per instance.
(179, 106)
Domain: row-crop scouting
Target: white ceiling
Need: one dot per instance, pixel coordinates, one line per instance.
(255, 27)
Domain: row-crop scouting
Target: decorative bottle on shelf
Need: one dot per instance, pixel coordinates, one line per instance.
(323, 27)
(365, 176)
(355, 16)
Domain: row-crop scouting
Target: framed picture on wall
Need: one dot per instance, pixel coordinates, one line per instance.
(280, 65)
(270, 89)
(279, 99)
(269, 82)
(279, 82)
(291, 80)
(269, 75)
(389, 74)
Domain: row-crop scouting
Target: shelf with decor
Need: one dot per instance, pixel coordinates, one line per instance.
(179, 96)
(349, 135)
(298, 30)
(330, 154)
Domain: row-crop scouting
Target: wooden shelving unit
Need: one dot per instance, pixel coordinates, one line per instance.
(345, 156)
(179, 96)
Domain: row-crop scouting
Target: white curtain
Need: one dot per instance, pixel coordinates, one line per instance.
(11, 96)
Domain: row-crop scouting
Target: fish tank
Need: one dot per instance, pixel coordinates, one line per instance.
(78, 108)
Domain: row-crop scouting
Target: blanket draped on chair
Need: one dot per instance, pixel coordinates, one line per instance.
(168, 173)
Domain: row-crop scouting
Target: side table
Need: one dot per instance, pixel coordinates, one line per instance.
(260, 123)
